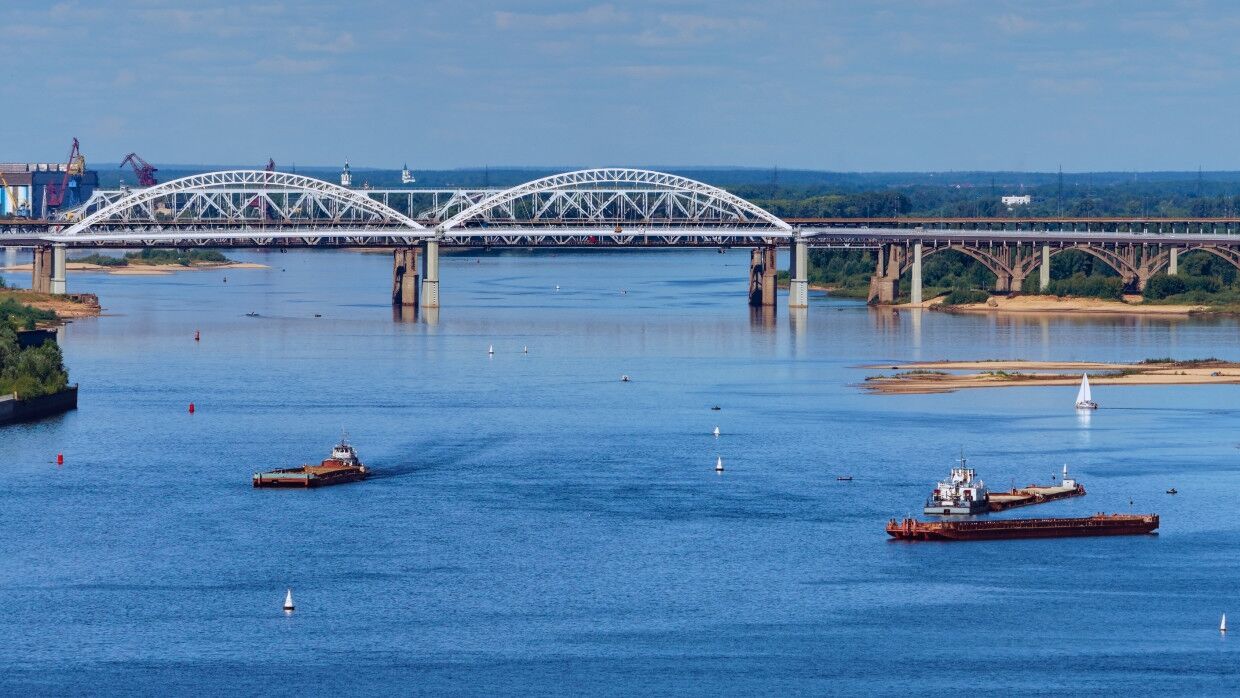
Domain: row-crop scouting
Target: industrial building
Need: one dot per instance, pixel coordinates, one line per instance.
(36, 189)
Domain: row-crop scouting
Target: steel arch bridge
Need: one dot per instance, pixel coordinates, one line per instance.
(603, 207)
(254, 207)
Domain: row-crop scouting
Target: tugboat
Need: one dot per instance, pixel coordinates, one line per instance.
(342, 466)
(959, 494)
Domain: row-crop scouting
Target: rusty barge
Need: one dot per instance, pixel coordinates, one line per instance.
(1000, 529)
(341, 466)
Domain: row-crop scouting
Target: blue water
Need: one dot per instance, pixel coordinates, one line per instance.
(539, 527)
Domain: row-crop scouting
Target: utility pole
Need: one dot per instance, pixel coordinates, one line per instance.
(1059, 194)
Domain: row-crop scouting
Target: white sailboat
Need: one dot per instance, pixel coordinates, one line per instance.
(1084, 401)
(1222, 624)
(288, 601)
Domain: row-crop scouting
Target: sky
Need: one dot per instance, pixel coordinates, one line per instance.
(843, 86)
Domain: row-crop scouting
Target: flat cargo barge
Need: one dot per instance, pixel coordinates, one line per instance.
(1033, 494)
(342, 466)
(990, 529)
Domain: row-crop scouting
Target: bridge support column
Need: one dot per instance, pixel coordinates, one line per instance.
(762, 276)
(1003, 283)
(430, 274)
(1173, 266)
(41, 280)
(59, 270)
(405, 276)
(798, 275)
(885, 284)
(915, 290)
(1044, 271)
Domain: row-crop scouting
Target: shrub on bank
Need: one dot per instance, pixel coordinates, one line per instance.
(1106, 287)
(965, 296)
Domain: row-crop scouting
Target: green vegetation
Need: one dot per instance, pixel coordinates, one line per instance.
(177, 256)
(101, 260)
(30, 372)
(180, 257)
(965, 296)
(18, 316)
(1106, 287)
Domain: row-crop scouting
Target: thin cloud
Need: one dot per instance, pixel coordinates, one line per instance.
(599, 15)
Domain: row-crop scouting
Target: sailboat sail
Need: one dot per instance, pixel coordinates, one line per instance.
(1082, 396)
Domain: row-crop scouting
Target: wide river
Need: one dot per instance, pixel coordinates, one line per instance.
(536, 526)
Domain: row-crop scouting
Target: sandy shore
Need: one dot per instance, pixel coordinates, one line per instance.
(66, 307)
(1054, 304)
(950, 376)
(143, 269)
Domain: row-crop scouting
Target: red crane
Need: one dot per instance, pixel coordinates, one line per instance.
(144, 170)
(55, 193)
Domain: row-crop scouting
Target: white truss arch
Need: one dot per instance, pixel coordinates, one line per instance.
(238, 196)
(704, 197)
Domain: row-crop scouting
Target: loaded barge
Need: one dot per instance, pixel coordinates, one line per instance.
(1035, 494)
(342, 466)
(990, 529)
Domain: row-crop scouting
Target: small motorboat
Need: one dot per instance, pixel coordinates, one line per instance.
(716, 408)
(1173, 491)
(251, 314)
(625, 378)
(844, 478)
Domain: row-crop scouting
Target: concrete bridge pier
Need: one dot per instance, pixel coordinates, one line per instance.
(798, 275)
(405, 276)
(430, 274)
(1044, 270)
(1173, 266)
(41, 279)
(915, 289)
(763, 272)
(885, 283)
(60, 265)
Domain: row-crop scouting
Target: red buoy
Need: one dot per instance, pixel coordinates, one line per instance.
(191, 408)
(60, 459)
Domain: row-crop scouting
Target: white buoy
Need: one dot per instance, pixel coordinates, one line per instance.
(716, 432)
(288, 601)
(491, 350)
(1222, 624)
(719, 464)
(557, 287)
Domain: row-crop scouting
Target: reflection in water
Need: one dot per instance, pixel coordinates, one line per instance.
(10, 256)
(916, 313)
(1083, 418)
(430, 316)
(404, 313)
(762, 316)
(798, 319)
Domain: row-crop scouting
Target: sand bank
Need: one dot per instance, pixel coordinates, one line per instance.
(144, 269)
(1132, 305)
(950, 376)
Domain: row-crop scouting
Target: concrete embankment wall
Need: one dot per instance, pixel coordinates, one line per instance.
(14, 410)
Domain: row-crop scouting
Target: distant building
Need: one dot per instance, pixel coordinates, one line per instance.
(1011, 201)
(346, 177)
(26, 184)
(406, 177)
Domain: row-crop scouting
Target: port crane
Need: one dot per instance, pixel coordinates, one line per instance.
(12, 196)
(144, 170)
(54, 196)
